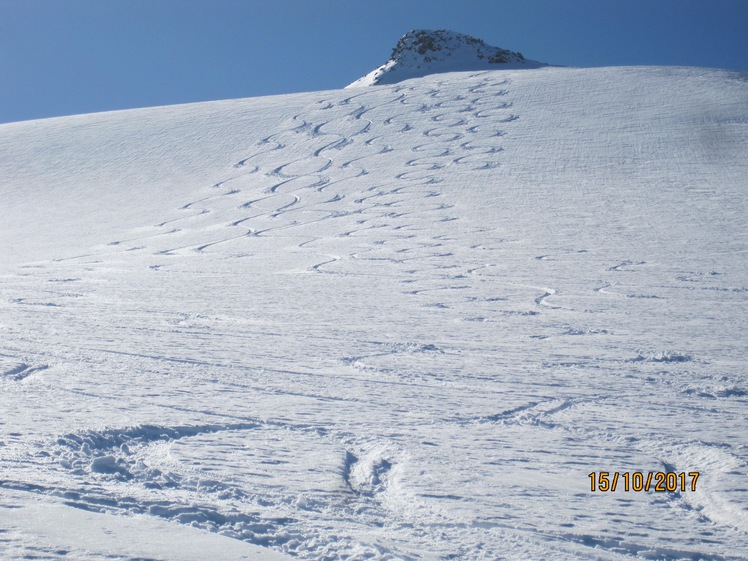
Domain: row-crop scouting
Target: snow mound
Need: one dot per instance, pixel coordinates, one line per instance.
(421, 52)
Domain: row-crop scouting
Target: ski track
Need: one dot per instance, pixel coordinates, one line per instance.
(422, 477)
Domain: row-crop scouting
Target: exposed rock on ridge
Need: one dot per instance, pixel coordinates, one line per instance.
(421, 52)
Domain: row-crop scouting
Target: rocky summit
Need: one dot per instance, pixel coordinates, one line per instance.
(421, 52)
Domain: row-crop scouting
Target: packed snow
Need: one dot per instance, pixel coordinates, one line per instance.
(402, 322)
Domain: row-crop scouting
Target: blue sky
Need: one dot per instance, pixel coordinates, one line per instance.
(80, 56)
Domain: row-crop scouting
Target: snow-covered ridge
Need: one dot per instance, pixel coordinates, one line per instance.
(423, 51)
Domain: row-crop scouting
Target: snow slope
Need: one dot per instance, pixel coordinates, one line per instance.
(402, 322)
(422, 52)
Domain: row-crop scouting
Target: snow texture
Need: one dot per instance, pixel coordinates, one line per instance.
(421, 52)
(402, 322)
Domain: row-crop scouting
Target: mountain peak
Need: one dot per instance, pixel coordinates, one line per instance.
(424, 51)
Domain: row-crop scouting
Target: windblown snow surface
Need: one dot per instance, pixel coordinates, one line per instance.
(399, 322)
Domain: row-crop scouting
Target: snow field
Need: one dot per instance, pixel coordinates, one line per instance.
(402, 322)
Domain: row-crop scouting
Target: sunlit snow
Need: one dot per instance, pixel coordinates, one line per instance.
(400, 322)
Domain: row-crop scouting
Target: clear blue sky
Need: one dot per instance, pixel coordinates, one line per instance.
(60, 57)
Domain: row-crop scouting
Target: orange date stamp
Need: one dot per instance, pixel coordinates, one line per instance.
(658, 481)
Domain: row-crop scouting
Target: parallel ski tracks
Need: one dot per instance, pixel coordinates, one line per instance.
(323, 186)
